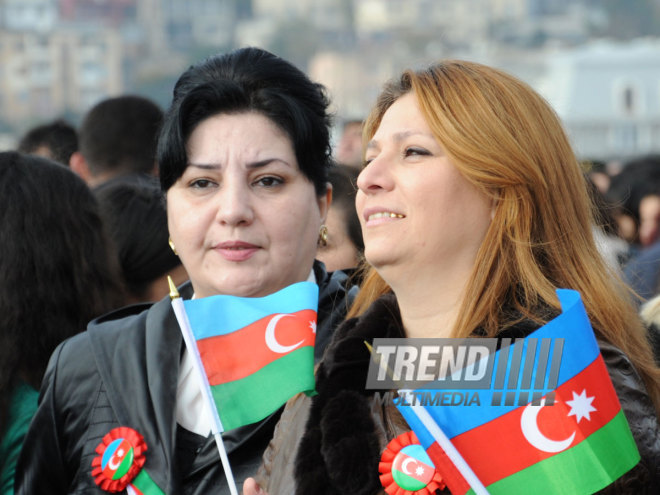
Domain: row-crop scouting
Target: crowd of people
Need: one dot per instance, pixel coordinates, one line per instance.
(456, 208)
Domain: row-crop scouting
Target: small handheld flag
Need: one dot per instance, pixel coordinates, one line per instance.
(253, 354)
(256, 352)
(216, 430)
(573, 440)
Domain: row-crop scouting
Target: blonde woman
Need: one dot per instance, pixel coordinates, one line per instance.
(474, 210)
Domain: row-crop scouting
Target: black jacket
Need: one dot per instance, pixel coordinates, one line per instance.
(123, 371)
(344, 436)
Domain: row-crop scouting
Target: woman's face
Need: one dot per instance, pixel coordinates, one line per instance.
(417, 211)
(243, 217)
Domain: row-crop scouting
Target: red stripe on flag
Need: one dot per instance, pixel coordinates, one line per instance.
(499, 448)
(447, 469)
(238, 354)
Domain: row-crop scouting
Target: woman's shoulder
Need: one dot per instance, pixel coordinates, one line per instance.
(640, 413)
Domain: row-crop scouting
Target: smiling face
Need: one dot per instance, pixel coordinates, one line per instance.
(243, 217)
(418, 212)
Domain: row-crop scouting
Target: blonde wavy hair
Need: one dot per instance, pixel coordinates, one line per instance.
(507, 141)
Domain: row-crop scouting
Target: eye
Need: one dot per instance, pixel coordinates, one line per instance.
(201, 183)
(416, 151)
(269, 181)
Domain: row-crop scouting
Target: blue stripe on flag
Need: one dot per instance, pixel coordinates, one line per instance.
(222, 314)
(580, 350)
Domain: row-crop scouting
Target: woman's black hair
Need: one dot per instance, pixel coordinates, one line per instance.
(58, 269)
(135, 216)
(249, 80)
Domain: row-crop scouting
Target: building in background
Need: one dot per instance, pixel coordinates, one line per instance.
(59, 57)
(50, 68)
(608, 97)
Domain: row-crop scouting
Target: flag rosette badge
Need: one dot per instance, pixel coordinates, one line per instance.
(120, 459)
(405, 467)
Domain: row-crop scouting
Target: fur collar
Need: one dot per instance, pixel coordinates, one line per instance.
(340, 450)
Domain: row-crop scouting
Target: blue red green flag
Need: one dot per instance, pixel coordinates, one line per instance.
(256, 352)
(579, 444)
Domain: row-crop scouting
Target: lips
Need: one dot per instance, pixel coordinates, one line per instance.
(384, 214)
(378, 215)
(236, 250)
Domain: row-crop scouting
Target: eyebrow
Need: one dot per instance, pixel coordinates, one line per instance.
(400, 136)
(249, 166)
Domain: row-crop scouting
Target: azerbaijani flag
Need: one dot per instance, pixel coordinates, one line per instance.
(578, 445)
(256, 352)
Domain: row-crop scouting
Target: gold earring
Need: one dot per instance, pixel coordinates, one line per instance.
(323, 236)
(171, 243)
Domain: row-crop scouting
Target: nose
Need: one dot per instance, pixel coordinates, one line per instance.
(376, 176)
(234, 206)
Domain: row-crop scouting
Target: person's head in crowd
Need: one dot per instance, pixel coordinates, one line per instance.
(639, 177)
(597, 172)
(482, 204)
(135, 217)
(649, 218)
(243, 155)
(118, 136)
(342, 247)
(56, 140)
(57, 267)
(349, 147)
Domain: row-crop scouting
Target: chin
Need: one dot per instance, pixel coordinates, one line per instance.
(379, 257)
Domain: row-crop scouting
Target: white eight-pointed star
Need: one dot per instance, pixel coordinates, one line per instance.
(581, 406)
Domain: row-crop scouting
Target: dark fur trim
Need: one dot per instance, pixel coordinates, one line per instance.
(340, 450)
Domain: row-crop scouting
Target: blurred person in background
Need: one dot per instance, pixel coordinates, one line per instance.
(118, 138)
(638, 178)
(597, 172)
(56, 140)
(342, 246)
(136, 220)
(349, 147)
(58, 271)
(635, 195)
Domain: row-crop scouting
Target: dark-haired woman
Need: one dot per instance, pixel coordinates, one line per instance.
(243, 157)
(57, 271)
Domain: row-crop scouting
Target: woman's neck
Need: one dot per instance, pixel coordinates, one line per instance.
(428, 310)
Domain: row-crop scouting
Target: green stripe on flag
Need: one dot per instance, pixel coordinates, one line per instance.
(591, 465)
(146, 485)
(254, 397)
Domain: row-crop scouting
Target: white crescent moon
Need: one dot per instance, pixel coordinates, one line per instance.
(114, 465)
(530, 429)
(404, 465)
(272, 342)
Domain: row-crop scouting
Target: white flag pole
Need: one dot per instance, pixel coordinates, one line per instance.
(432, 427)
(446, 445)
(189, 339)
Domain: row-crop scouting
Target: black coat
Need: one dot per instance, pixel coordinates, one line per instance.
(123, 371)
(344, 436)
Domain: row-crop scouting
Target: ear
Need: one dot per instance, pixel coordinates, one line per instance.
(324, 202)
(79, 165)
